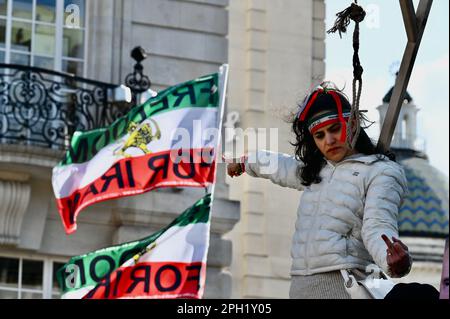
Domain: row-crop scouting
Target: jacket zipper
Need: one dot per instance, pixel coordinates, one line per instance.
(315, 217)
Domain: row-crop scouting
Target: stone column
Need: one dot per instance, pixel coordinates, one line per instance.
(276, 49)
(318, 64)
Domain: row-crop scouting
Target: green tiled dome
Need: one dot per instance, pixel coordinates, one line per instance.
(424, 212)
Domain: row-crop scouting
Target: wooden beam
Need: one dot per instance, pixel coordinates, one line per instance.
(398, 96)
(409, 19)
(404, 75)
(423, 12)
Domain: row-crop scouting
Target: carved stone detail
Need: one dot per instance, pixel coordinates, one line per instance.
(14, 199)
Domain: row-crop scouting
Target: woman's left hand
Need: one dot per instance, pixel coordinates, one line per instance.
(398, 257)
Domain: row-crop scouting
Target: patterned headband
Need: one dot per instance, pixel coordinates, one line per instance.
(324, 120)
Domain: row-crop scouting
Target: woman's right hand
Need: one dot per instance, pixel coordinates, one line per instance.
(235, 167)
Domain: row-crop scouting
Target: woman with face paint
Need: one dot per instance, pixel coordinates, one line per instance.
(347, 217)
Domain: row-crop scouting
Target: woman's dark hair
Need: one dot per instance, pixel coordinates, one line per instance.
(307, 152)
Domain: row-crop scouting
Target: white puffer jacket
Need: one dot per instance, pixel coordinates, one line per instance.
(340, 220)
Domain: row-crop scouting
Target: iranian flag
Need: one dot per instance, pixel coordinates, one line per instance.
(168, 264)
(169, 141)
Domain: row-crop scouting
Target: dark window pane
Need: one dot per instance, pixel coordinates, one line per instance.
(46, 10)
(31, 295)
(56, 267)
(32, 274)
(9, 272)
(17, 58)
(44, 40)
(2, 32)
(2, 57)
(43, 62)
(74, 11)
(8, 294)
(73, 43)
(23, 9)
(3, 9)
(56, 296)
(21, 36)
(73, 67)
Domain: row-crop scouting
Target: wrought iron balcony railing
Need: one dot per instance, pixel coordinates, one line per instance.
(44, 108)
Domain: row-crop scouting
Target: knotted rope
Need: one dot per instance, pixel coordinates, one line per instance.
(357, 14)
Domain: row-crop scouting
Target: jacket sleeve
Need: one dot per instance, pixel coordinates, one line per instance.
(384, 197)
(280, 168)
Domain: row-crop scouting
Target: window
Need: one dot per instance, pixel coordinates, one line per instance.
(49, 34)
(28, 278)
(405, 128)
(56, 292)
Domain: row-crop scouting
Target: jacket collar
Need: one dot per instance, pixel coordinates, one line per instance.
(359, 157)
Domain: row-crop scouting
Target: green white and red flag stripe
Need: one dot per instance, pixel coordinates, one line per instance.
(161, 143)
(168, 264)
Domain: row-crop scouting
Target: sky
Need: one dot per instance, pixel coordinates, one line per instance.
(382, 43)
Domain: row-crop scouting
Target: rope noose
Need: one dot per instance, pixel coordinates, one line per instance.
(357, 14)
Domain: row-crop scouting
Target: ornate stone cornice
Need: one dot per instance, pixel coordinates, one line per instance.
(29, 155)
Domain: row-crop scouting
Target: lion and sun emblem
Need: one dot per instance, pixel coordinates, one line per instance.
(139, 137)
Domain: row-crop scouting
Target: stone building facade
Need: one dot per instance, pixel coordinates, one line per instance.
(274, 48)
(277, 49)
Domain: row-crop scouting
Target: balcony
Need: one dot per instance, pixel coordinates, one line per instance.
(43, 108)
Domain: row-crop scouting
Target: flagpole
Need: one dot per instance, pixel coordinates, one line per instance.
(223, 83)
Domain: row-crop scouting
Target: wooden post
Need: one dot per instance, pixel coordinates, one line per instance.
(415, 24)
